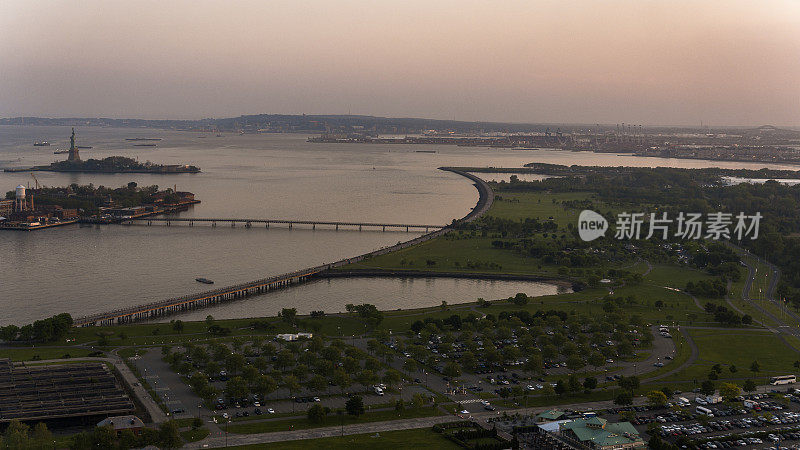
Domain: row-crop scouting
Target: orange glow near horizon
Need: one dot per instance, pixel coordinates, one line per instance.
(651, 62)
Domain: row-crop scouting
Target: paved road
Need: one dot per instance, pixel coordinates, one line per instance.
(377, 427)
(783, 326)
(770, 293)
(179, 398)
(403, 424)
(695, 352)
(279, 436)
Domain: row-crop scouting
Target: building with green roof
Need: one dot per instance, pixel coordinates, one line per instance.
(550, 415)
(601, 434)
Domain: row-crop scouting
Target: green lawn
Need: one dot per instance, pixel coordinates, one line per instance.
(36, 353)
(675, 276)
(677, 306)
(521, 205)
(453, 254)
(402, 439)
(465, 252)
(194, 435)
(331, 420)
(738, 348)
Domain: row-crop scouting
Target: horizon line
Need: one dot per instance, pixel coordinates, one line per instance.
(695, 126)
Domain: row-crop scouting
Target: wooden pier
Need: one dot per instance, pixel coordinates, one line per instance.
(248, 223)
(199, 300)
(192, 301)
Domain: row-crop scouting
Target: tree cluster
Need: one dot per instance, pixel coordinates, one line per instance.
(51, 329)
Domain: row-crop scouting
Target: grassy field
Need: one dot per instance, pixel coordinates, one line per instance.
(403, 439)
(675, 276)
(453, 254)
(36, 353)
(331, 420)
(194, 435)
(457, 251)
(518, 206)
(740, 349)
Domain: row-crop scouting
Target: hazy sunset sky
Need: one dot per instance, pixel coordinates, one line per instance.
(669, 62)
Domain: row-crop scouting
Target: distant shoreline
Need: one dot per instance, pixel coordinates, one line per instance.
(48, 169)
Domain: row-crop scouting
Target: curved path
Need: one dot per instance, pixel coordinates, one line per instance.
(751, 275)
(770, 294)
(695, 353)
(784, 328)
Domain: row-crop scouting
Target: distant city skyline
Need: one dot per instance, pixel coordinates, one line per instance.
(723, 63)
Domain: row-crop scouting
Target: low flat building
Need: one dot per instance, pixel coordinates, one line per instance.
(122, 423)
(294, 336)
(597, 433)
(60, 392)
(550, 415)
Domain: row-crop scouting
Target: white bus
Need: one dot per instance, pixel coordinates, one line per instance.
(783, 379)
(704, 410)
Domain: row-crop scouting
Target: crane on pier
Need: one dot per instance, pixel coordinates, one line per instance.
(37, 181)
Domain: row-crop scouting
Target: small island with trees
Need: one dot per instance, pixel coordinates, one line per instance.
(116, 164)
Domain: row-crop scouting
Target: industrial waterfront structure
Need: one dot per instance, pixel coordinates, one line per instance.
(20, 213)
(88, 391)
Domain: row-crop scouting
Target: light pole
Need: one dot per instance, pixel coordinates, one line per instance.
(226, 432)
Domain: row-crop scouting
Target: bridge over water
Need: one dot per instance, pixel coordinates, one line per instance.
(199, 300)
(248, 223)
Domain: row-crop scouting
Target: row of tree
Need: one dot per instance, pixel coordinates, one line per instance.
(51, 329)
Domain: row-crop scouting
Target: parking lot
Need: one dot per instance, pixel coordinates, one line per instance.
(768, 419)
(254, 406)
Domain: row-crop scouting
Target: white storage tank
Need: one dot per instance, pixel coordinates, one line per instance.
(21, 192)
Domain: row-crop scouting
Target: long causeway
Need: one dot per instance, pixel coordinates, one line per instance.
(199, 300)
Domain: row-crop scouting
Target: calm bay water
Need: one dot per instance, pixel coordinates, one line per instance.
(82, 270)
